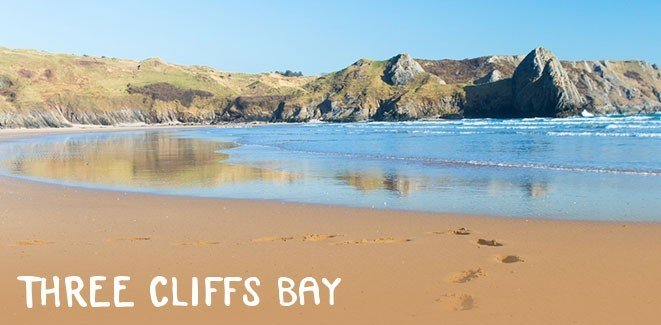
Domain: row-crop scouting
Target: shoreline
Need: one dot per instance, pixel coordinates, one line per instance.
(12, 133)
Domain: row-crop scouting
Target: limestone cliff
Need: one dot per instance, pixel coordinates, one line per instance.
(542, 88)
(39, 89)
(402, 70)
(623, 87)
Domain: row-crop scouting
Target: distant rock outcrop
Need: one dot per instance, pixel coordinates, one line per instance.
(402, 69)
(542, 88)
(492, 76)
(252, 108)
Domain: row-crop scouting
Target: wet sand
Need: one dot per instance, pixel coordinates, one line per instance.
(396, 267)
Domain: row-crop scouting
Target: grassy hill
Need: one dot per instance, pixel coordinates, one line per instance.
(84, 88)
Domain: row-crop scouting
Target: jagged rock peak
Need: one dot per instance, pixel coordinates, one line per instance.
(402, 69)
(492, 76)
(542, 87)
(362, 62)
(533, 64)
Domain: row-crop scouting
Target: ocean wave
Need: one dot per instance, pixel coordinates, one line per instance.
(445, 132)
(470, 163)
(604, 134)
(568, 168)
(642, 121)
(654, 126)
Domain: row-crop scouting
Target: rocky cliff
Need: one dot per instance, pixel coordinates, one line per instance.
(542, 88)
(39, 89)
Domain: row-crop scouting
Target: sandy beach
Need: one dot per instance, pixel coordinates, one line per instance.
(396, 267)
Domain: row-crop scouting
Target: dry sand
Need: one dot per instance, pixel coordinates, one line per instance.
(396, 267)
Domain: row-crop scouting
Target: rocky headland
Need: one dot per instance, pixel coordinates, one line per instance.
(39, 89)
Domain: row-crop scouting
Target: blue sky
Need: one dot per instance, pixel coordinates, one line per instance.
(316, 36)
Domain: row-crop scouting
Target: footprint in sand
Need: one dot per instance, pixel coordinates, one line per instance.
(492, 242)
(272, 239)
(33, 242)
(199, 243)
(131, 239)
(468, 275)
(317, 237)
(305, 238)
(457, 301)
(382, 240)
(510, 259)
(459, 232)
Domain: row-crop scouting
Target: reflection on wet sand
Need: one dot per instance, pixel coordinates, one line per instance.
(532, 188)
(377, 180)
(153, 159)
(536, 189)
(374, 180)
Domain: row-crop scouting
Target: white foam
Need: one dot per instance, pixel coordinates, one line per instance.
(604, 134)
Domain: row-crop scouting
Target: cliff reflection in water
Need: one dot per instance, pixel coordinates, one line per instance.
(377, 180)
(153, 159)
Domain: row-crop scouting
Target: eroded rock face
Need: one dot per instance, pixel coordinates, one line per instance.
(252, 108)
(404, 108)
(402, 69)
(542, 88)
(623, 87)
(492, 76)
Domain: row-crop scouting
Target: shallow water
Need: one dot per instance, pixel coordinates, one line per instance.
(606, 168)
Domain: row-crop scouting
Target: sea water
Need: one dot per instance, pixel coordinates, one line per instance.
(599, 168)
